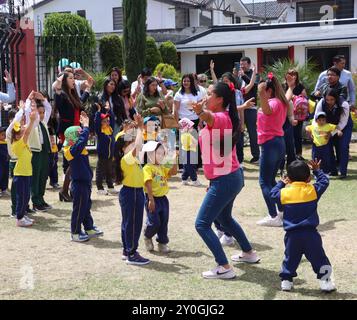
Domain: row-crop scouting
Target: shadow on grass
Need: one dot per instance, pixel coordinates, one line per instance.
(107, 202)
(316, 293)
(46, 224)
(180, 254)
(166, 267)
(329, 225)
(104, 244)
(261, 247)
(59, 212)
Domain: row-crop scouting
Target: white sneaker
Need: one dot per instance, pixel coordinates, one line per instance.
(164, 248)
(196, 183)
(246, 257)
(149, 244)
(219, 233)
(24, 223)
(270, 222)
(219, 273)
(112, 191)
(286, 285)
(227, 241)
(29, 219)
(5, 193)
(327, 285)
(280, 214)
(102, 192)
(185, 182)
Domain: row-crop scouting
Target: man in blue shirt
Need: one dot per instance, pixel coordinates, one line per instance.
(6, 98)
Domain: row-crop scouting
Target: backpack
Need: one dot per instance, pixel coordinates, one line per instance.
(301, 108)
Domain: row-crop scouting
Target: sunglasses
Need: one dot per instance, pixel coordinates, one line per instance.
(203, 81)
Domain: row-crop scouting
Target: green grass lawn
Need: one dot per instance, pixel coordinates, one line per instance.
(60, 269)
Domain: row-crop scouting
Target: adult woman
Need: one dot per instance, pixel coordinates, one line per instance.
(110, 95)
(185, 98)
(226, 178)
(69, 106)
(298, 90)
(271, 118)
(115, 75)
(337, 112)
(124, 92)
(151, 101)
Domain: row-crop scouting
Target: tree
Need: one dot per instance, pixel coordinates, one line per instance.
(68, 36)
(169, 53)
(153, 55)
(167, 71)
(111, 52)
(134, 37)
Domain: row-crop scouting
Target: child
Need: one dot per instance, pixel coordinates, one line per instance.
(129, 172)
(299, 200)
(4, 163)
(151, 128)
(23, 168)
(156, 189)
(189, 147)
(127, 127)
(321, 133)
(104, 124)
(77, 156)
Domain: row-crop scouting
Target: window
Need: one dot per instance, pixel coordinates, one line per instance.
(118, 22)
(311, 11)
(182, 18)
(206, 18)
(82, 13)
(323, 56)
(271, 56)
(238, 20)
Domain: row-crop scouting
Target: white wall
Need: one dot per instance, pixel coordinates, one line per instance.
(160, 16)
(355, 13)
(188, 62)
(220, 18)
(300, 54)
(354, 57)
(252, 54)
(194, 18)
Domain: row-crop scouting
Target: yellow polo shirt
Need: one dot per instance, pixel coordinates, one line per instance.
(24, 156)
(132, 171)
(158, 175)
(321, 134)
(188, 143)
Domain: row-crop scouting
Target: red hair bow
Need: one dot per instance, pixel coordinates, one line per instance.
(270, 75)
(231, 86)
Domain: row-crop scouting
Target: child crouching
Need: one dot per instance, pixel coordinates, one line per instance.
(77, 156)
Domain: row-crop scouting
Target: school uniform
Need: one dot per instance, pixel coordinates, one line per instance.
(105, 151)
(22, 176)
(4, 166)
(132, 201)
(157, 221)
(53, 165)
(81, 187)
(300, 220)
(190, 157)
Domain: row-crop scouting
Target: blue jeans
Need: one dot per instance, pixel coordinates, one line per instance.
(250, 119)
(298, 138)
(217, 205)
(190, 166)
(271, 157)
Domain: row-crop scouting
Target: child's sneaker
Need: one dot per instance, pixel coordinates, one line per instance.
(227, 241)
(219, 233)
(327, 285)
(219, 273)
(124, 256)
(280, 214)
(5, 193)
(81, 237)
(102, 192)
(185, 182)
(29, 219)
(112, 191)
(196, 183)
(286, 285)
(163, 248)
(149, 244)
(94, 233)
(47, 206)
(270, 222)
(246, 257)
(137, 260)
(23, 223)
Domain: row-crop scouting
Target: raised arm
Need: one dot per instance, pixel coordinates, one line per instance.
(33, 117)
(10, 96)
(252, 80)
(213, 74)
(264, 99)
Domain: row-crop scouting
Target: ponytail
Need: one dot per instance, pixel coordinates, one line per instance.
(277, 89)
(118, 155)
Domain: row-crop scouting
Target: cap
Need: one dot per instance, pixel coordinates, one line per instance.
(169, 82)
(320, 114)
(75, 65)
(150, 146)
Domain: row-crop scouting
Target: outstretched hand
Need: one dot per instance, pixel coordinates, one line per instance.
(314, 164)
(84, 120)
(7, 77)
(139, 121)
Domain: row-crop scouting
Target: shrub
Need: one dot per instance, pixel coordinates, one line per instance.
(111, 53)
(169, 53)
(168, 72)
(153, 55)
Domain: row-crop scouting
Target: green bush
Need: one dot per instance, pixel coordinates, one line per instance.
(169, 53)
(68, 36)
(99, 79)
(153, 55)
(111, 52)
(168, 72)
(308, 73)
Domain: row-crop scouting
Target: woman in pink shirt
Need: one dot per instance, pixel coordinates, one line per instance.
(218, 144)
(271, 118)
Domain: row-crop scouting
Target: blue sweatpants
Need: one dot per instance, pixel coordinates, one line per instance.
(53, 168)
(82, 204)
(23, 194)
(132, 201)
(157, 221)
(4, 175)
(323, 153)
(308, 243)
(190, 166)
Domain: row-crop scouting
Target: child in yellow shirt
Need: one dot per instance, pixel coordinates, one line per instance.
(321, 132)
(156, 189)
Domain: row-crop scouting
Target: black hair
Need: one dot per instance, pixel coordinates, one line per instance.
(231, 78)
(338, 58)
(246, 59)
(221, 89)
(335, 70)
(119, 146)
(118, 71)
(321, 116)
(124, 84)
(2, 129)
(146, 72)
(147, 85)
(193, 87)
(333, 93)
(298, 171)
